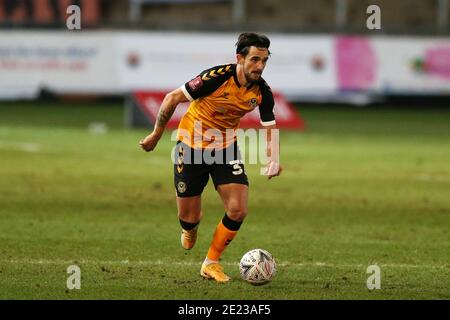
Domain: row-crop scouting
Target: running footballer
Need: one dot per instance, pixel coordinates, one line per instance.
(219, 97)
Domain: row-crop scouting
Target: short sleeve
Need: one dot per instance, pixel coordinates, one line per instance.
(267, 104)
(207, 81)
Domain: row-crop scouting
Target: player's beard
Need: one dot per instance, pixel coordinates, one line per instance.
(252, 77)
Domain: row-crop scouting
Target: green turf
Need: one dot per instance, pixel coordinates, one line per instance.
(359, 187)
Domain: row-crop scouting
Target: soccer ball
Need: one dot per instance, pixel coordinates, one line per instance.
(257, 267)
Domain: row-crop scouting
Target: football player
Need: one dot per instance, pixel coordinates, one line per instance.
(220, 97)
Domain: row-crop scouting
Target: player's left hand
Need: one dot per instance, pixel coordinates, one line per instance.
(273, 169)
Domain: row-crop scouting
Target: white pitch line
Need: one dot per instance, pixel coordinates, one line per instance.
(190, 263)
(425, 177)
(21, 146)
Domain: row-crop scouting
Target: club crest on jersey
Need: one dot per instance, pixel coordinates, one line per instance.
(196, 83)
(253, 103)
(181, 187)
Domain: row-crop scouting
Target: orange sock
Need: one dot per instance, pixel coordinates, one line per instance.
(222, 237)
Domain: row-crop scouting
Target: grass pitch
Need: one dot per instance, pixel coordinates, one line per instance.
(360, 187)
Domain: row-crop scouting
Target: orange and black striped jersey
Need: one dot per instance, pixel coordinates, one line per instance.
(218, 102)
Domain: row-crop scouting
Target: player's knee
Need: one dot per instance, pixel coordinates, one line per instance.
(237, 213)
(190, 216)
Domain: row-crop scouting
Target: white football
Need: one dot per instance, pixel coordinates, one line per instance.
(257, 267)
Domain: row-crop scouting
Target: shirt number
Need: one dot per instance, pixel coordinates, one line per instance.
(236, 167)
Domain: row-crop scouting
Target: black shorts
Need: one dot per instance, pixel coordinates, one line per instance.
(192, 168)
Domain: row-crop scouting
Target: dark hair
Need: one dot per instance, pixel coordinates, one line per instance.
(248, 39)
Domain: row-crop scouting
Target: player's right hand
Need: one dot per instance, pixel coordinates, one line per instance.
(149, 142)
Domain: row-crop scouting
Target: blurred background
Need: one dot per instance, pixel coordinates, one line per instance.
(402, 17)
(365, 134)
(323, 51)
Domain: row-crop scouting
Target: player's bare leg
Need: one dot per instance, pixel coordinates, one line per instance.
(234, 197)
(190, 214)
